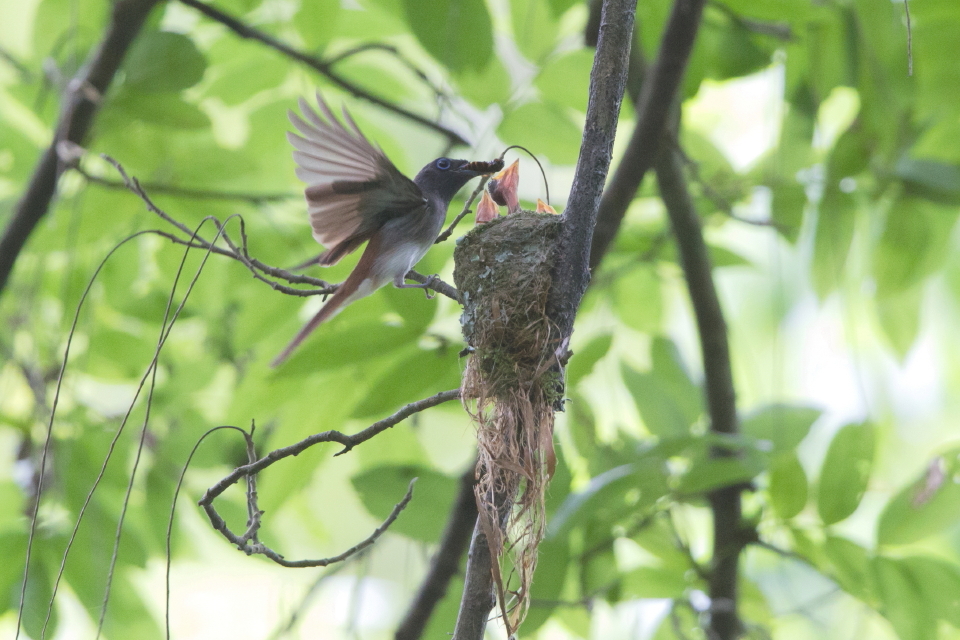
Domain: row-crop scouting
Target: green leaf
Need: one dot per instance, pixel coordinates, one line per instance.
(850, 565)
(240, 71)
(458, 33)
(544, 128)
(832, 241)
(915, 242)
(707, 473)
(637, 298)
(553, 559)
(788, 485)
(924, 507)
(160, 109)
(939, 584)
(317, 22)
(789, 202)
(566, 79)
(491, 85)
(654, 582)
(899, 316)
(381, 488)
(339, 344)
(845, 472)
(783, 425)
(902, 600)
(162, 61)
(584, 358)
(936, 181)
(668, 400)
(534, 28)
(411, 378)
(607, 494)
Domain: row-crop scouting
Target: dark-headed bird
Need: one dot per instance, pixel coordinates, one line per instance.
(355, 195)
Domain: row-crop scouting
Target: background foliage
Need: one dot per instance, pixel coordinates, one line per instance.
(841, 295)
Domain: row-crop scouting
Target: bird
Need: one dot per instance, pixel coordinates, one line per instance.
(503, 187)
(355, 194)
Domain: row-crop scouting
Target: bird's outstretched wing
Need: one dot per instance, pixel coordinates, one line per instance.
(352, 187)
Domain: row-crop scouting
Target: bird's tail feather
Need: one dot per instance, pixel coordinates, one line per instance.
(344, 294)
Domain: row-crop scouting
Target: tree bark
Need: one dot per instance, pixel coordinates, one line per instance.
(657, 96)
(571, 274)
(728, 534)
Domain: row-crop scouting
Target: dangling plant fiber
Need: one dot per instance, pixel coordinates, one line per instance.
(503, 271)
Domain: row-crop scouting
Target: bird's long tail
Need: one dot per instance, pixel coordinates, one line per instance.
(345, 293)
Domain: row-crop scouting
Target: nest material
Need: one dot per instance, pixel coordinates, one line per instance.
(503, 271)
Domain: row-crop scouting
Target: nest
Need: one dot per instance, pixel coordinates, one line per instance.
(503, 271)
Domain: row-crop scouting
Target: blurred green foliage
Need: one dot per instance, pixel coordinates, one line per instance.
(862, 187)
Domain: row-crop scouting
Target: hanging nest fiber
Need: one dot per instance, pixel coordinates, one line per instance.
(503, 271)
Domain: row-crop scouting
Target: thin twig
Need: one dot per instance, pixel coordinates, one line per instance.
(446, 561)
(380, 46)
(466, 209)
(257, 268)
(187, 192)
(321, 66)
(348, 442)
(906, 8)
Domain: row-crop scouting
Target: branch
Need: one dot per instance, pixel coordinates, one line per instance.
(248, 542)
(607, 82)
(728, 528)
(83, 97)
(446, 562)
(656, 97)
(323, 67)
(186, 192)
(571, 274)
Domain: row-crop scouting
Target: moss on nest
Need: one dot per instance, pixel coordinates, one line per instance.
(503, 271)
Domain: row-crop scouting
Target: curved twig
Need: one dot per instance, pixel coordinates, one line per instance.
(248, 542)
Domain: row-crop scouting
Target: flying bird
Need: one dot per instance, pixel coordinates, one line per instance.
(355, 194)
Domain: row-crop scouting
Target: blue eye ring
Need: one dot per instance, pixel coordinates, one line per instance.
(443, 163)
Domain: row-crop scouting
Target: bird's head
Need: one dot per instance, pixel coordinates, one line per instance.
(445, 176)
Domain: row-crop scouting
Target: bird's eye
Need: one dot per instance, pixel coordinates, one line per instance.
(443, 163)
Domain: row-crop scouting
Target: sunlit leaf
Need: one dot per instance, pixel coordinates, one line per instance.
(162, 61)
(924, 507)
(788, 485)
(845, 472)
(381, 488)
(784, 426)
(544, 128)
(458, 33)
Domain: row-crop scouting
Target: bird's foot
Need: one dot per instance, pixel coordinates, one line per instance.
(426, 286)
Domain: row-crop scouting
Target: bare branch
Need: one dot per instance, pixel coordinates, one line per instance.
(466, 209)
(728, 528)
(186, 192)
(607, 83)
(445, 563)
(656, 97)
(571, 274)
(248, 541)
(321, 66)
(80, 104)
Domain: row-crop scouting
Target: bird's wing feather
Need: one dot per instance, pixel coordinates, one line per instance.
(352, 187)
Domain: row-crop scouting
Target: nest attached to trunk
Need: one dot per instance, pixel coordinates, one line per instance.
(503, 271)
